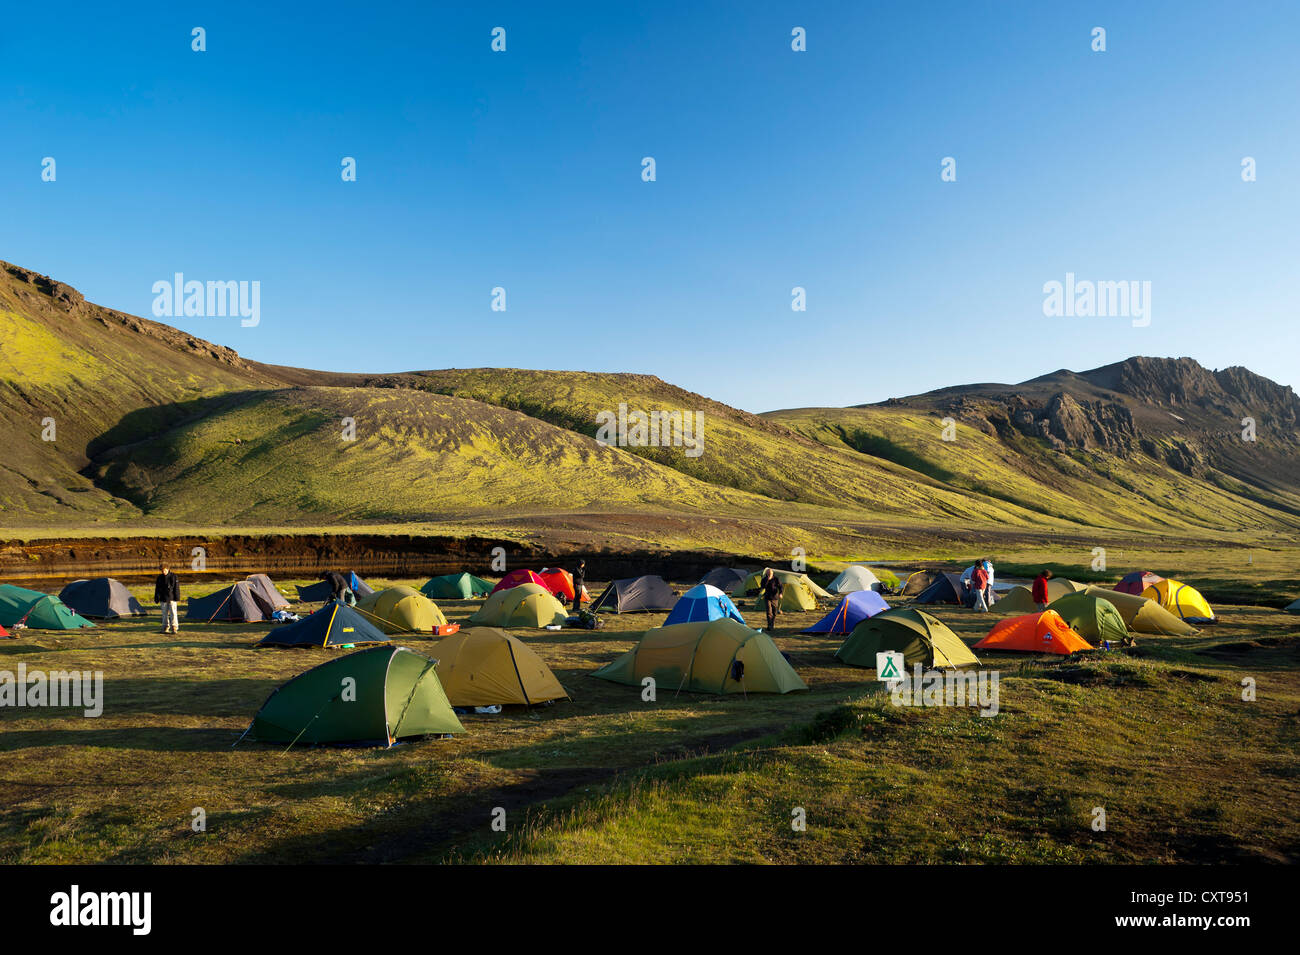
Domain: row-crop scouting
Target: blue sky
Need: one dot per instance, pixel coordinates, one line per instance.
(775, 169)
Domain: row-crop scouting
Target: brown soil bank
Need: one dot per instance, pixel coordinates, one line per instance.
(305, 555)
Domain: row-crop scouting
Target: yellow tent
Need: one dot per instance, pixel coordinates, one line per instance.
(755, 580)
(706, 656)
(528, 605)
(1021, 599)
(1181, 599)
(482, 666)
(401, 610)
(1142, 615)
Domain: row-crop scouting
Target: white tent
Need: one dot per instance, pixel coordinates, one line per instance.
(854, 579)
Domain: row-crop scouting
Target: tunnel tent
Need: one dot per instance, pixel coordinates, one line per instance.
(456, 587)
(1091, 616)
(528, 606)
(485, 666)
(401, 610)
(333, 625)
(706, 656)
(1181, 599)
(646, 594)
(1137, 581)
(320, 591)
(920, 637)
(726, 579)
(101, 597)
(853, 608)
(946, 589)
(37, 611)
(852, 579)
(265, 592)
(378, 695)
(1042, 632)
(234, 604)
(703, 602)
(1142, 615)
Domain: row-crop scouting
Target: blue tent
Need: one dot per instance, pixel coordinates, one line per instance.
(703, 602)
(853, 609)
(320, 592)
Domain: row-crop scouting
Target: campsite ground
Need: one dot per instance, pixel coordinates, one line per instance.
(1159, 737)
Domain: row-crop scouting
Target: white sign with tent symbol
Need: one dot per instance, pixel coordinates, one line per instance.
(889, 666)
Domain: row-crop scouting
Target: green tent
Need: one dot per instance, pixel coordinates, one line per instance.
(379, 695)
(456, 587)
(37, 610)
(920, 637)
(1092, 617)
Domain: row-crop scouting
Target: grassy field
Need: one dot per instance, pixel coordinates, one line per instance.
(1158, 736)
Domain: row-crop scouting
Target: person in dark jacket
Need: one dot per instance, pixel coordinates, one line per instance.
(770, 589)
(340, 589)
(579, 581)
(1039, 591)
(167, 594)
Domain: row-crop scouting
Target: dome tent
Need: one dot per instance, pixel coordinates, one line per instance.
(401, 610)
(456, 587)
(853, 608)
(518, 577)
(713, 656)
(726, 579)
(1137, 582)
(484, 666)
(321, 591)
(528, 605)
(636, 595)
(1181, 599)
(1042, 632)
(333, 625)
(703, 602)
(1091, 616)
(36, 610)
(946, 589)
(1020, 599)
(854, 578)
(920, 637)
(264, 591)
(101, 597)
(754, 582)
(378, 695)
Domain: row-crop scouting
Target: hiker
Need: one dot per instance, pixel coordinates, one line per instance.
(979, 583)
(771, 588)
(579, 581)
(167, 594)
(1039, 590)
(988, 591)
(340, 589)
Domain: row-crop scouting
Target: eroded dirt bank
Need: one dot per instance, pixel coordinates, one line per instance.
(44, 561)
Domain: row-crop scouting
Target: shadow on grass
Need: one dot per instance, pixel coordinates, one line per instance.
(153, 739)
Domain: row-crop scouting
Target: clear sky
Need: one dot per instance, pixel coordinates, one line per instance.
(775, 169)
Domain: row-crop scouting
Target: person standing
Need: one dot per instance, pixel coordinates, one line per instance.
(771, 589)
(979, 583)
(167, 594)
(1039, 591)
(988, 591)
(579, 581)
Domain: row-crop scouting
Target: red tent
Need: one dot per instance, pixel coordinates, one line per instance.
(517, 577)
(1137, 582)
(5, 633)
(559, 582)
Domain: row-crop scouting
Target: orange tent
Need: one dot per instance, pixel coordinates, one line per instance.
(560, 582)
(1042, 632)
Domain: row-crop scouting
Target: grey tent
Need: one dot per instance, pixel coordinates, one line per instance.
(266, 594)
(634, 595)
(102, 597)
(320, 592)
(726, 579)
(948, 589)
(235, 604)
